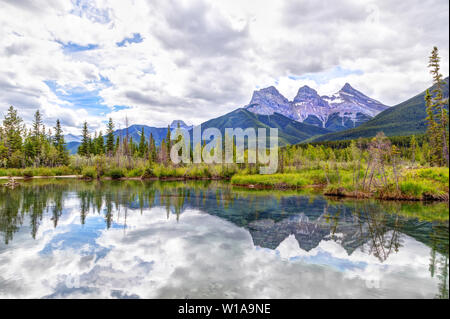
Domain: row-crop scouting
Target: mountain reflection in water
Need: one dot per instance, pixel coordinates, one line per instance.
(130, 239)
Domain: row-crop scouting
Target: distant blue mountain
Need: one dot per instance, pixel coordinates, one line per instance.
(134, 132)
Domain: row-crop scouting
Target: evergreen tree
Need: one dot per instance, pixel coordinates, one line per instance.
(432, 129)
(12, 128)
(110, 138)
(92, 144)
(37, 136)
(84, 147)
(100, 144)
(59, 144)
(152, 149)
(439, 106)
(142, 144)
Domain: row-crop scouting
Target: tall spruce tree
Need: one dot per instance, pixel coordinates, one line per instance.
(439, 106)
(12, 131)
(37, 135)
(100, 144)
(84, 147)
(59, 144)
(142, 144)
(110, 138)
(432, 130)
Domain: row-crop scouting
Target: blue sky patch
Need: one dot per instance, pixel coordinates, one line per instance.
(71, 47)
(81, 98)
(135, 39)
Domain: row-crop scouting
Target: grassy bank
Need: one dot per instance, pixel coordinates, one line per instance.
(156, 171)
(339, 180)
(410, 184)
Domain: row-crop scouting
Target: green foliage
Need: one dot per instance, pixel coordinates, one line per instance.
(28, 172)
(89, 172)
(135, 172)
(115, 173)
(84, 148)
(416, 188)
(110, 138)
(148, 172)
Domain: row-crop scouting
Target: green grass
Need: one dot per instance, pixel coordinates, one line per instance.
(425, 183)
(89, 172)
(135, 172)
(414, 184)
(115, 173)
(39, 171)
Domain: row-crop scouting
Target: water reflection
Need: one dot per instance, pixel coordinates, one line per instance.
(206, 239)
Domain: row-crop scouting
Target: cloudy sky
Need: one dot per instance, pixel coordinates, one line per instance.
(155, 61)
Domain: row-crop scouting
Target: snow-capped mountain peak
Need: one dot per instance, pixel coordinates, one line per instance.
(268, 101)
(345, 109)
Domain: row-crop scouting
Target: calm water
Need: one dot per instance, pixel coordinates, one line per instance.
(72, 239)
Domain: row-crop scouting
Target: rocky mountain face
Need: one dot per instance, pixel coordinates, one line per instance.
(347, 108)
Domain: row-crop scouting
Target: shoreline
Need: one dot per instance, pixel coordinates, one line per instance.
(280, 187)
(346, 194)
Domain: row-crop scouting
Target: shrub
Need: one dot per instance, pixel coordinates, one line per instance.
(147, 173)
(27, 172)
(43, 171)
(89, 172)
(135, 172)
(115, 173)
(62, 170)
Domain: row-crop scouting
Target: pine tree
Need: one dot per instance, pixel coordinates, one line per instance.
(13, 128)
(59, 143)
(37, 135)
(83, 149)
(152, 148)
(432, 129)
(100, 144)
(439, 106)
(92, 145)
(142, 144)
(110, 138)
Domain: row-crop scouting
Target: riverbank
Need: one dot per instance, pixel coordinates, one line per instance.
(411, 184)
(423, 184)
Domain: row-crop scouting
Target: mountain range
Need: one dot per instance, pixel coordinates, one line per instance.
(134, 132)
(347, 114)
(406, 118)
(347, 108)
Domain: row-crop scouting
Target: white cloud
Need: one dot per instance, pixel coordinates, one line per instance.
(200, 59)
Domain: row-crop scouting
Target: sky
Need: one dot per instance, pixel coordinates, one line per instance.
(163, 60)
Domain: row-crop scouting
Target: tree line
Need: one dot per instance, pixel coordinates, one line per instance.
(21, 147)
(37, 146)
